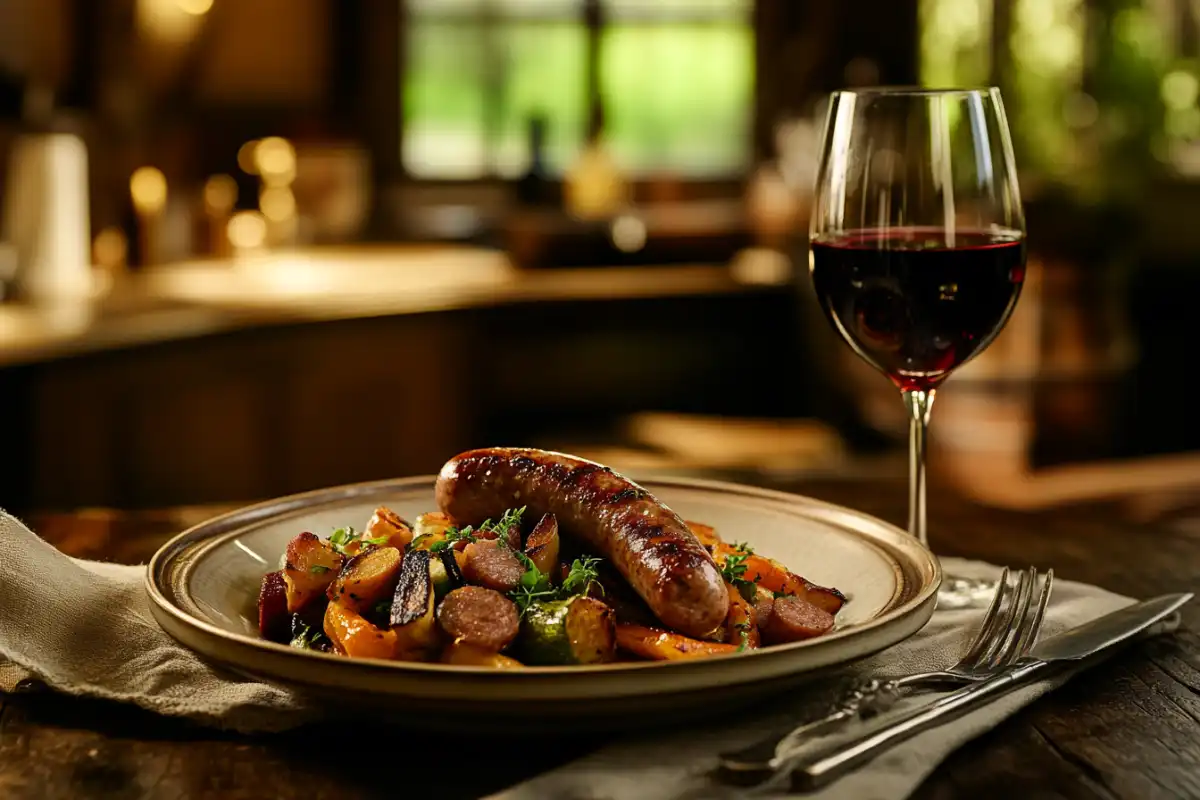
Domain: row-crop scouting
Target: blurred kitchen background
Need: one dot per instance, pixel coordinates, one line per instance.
(252, 247)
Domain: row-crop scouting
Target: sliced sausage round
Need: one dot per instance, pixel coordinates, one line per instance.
(480, 617)
(793, 619)
(762, 611)
(490, 564)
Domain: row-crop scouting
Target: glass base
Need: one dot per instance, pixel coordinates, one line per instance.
(956, 593)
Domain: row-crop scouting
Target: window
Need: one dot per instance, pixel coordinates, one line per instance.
(674, 79)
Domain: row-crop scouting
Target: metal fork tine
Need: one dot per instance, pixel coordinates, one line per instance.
(998, 641)
(1029, 633)
(986, 629)
(1010, 650)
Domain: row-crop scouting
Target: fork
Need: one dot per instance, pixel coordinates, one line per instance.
(1008, 632)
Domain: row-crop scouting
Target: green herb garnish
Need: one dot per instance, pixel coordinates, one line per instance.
(733, 570)
(318, 569)
(743, 629)
(342, 538)
(307, 638)
(582, 576)
(453, 535)
(508, 520)
(536, 586)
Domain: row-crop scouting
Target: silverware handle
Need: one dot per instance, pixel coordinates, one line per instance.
(764, 756)
(814, 769)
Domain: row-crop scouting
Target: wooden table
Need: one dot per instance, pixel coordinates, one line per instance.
(1129, 728)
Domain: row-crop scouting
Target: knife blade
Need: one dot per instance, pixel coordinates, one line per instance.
(818, 768)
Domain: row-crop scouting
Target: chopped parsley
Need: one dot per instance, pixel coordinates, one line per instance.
(318, 569)
(733, 570)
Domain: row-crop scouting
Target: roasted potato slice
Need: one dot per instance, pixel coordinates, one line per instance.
(310, 567)
(367, 578)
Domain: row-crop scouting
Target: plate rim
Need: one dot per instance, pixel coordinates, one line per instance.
(256, 514)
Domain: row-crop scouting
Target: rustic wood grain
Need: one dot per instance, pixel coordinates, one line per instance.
(1128, 729)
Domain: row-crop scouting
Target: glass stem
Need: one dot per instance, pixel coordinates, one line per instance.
(918, 404)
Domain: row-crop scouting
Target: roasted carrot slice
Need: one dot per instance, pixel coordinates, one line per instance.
(741, 624)
(355, 636)
(657, 644)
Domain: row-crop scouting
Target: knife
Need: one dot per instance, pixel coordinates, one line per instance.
(812, 768)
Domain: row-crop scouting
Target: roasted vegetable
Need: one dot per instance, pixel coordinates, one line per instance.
(367, 578)
(767, 572)
(446, 572)
(480, 617)
(312, 565)
(578, 630)
(660, 645)
(466, 655)
(541, 547)
(274, 623)
(741, 624)
(430, 528)
(793, 620)
(354, 636)
(618, 595)
(413, 604)
(387, 525)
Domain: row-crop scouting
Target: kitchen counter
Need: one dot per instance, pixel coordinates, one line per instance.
(197, 299)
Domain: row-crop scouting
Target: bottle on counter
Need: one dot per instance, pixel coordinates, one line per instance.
(534, 187)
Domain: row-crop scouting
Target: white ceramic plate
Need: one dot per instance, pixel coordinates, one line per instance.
(204, 583)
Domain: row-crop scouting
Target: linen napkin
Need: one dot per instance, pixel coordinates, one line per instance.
(85, 628)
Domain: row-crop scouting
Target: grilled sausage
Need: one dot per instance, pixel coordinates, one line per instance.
(488, 564)
(480, 617)
(647, 542)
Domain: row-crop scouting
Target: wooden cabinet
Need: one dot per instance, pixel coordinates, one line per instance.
(269, 411)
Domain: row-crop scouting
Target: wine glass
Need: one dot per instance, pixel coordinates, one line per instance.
(918, 247)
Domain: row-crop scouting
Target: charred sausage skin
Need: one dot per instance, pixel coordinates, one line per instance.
(647, 542)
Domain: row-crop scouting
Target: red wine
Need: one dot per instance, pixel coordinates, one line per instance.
(914, 303)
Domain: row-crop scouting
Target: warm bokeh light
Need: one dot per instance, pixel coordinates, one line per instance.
(275, 159)
(629, 234)
(111, 248)
(220, 195)
(148, 188)
(247, 230)
(197, 8)
(277, 203)
(246, 157)
(171, 22)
